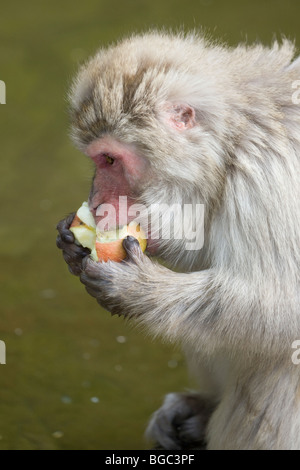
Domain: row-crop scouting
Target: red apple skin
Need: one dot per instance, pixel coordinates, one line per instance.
(114, 250)
(76, 222)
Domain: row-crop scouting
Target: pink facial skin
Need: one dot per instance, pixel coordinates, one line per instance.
(120, 171)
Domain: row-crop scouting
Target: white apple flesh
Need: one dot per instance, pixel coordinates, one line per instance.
(84, 229)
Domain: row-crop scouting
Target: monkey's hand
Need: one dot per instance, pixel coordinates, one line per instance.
(187, 307)
(119, 287)
(180, 423)
(72, 253)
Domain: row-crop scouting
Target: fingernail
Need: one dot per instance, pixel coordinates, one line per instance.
(131, 239)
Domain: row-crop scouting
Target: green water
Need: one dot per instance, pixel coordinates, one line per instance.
(77, 378)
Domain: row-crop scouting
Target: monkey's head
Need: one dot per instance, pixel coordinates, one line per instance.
(152, 114)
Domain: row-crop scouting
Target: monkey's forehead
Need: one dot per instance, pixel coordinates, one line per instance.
(125, 85)
(149, 51)
(139, 63)
(155, 55)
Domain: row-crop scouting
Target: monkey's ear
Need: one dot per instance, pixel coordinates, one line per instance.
(180, 116)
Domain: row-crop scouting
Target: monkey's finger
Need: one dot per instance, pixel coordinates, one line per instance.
(74, 269)
(63, 228)
(97, 294)
(71, 259)
(99, 286)
(90, 282)
(91, 270)
(132, 248)
(62, 225)
(68, 237)
(61, 243)
(66, 222)
(97, 270)
(73, 250)
(91, 267)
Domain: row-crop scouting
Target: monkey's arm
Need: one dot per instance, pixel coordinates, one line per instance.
(207, 307)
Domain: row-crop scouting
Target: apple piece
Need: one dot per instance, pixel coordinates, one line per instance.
(76, 222)
(137, 232)
(93, 254)
(112, 251)
(84, 235)
(85, 215)
(109, 244)
(106, 245)
(84, 228)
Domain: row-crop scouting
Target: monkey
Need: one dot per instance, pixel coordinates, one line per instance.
(175, 118)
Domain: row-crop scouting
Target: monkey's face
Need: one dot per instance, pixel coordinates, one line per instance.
(126, 187)
(149, 142)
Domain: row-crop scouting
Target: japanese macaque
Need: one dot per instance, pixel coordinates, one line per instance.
(175, 119)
